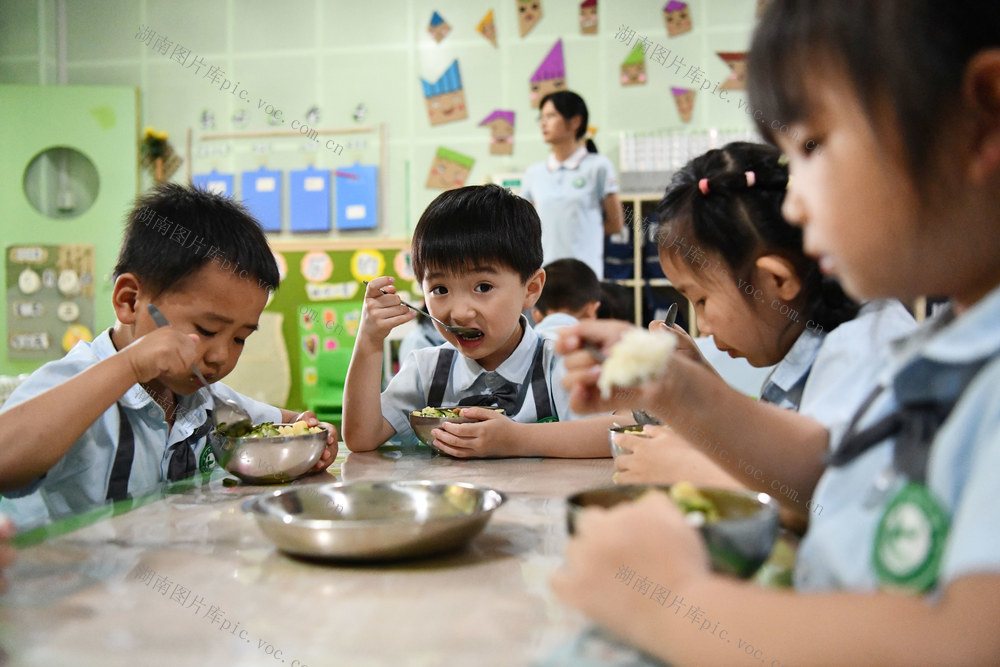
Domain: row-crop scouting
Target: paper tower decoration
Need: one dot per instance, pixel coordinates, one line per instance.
(438, 27)
(678, 17)
(528, 14)
(588, 17)
(634, 67)
(487, 28)
(449, 169)
(684, 99)
(501, 124)
(445, 97)
(550, 77)
(737, 61)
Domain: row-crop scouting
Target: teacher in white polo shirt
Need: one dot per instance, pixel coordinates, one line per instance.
(575, 191)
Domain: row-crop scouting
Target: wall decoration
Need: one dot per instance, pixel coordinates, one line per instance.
(684, 99)
(588, 17)
(737, 62)
(261, 191)
(50, 293)
(438, 27)
(220, 184)
(309, 193)
(529, 12)
(550, 76)
(501, 124)
(678, 17)
(450, 169)
(445, 97)
(633, 69)
(487, 28)
(357, 202)
(360, 112)
(158, 156)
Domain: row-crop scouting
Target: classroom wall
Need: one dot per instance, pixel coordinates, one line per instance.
(337, 54)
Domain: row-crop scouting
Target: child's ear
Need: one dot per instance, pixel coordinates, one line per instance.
(589, 312)
(533, 289)
(124, 297)
(982, 90)
(778, 277)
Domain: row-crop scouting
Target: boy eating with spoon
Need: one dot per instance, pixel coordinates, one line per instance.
(477, 253)
(117, 416)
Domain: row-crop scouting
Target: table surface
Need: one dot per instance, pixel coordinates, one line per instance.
(158, 584)
(184, 577)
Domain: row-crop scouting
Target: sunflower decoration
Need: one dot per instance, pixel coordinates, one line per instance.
(158, 156)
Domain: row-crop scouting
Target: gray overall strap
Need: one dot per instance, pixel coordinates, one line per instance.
(121, 468)
(923, 408)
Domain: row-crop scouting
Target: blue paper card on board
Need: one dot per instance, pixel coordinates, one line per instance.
(220, 184)
(309, 200)
(357, 186)
(261, 191)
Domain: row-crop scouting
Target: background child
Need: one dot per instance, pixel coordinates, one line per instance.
(124, 412)
(477, 253)
(904, 563)
(726, 247)
(572, 293)
(7, 552)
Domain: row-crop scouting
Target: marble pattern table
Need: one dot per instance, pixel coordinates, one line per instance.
(188, 579)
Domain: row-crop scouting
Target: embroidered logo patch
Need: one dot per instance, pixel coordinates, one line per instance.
(207, 459)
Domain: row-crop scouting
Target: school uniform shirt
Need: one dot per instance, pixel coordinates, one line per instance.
(569, 197)
(553, 322)
(109, 462)
(413, 387)
(850, 500)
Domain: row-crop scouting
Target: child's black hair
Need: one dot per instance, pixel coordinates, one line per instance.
(907, 57)
(174, 230)
(477, 225)
(569, 104)
(569, 285)
(741, 222)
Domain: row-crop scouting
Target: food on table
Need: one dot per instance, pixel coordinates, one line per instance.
(269, 430)
(698, 509)
(449, 413)
(639, 356)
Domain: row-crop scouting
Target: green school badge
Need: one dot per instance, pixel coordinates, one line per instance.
(207, 459)
(579, 182)
(547, 419)
(910, 540)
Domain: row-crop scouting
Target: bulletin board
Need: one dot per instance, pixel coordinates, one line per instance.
(320, 298)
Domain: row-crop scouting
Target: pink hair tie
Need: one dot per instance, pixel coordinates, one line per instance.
(703, 186)
(751, 178)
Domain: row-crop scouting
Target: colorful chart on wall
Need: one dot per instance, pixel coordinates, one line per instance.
(445, 97)
(309, 200)
(220, 184)
(501, 124)
(357, 200)
(261, 190)
(50, 290)
(550, 77)
(588, 17)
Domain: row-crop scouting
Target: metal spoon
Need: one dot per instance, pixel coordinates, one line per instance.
(465, 332)
(229, 417)
(642, 417)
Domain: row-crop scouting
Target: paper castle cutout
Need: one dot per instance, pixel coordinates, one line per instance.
(550, 77)
(438, 27)
(737, 61)
(449, 169)
(684, 99)
(501, 124)
(634, 67)
(678, 17)
(529, 12)
(445, 97)
(588, 17)
(487, 28)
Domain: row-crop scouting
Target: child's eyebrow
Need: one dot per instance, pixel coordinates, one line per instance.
(225, 320)
(437, 275)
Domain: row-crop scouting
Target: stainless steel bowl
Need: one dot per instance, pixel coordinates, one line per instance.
(366, 520)
(632, 429)
(270, 460)
(422, 426)
(738, 543)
